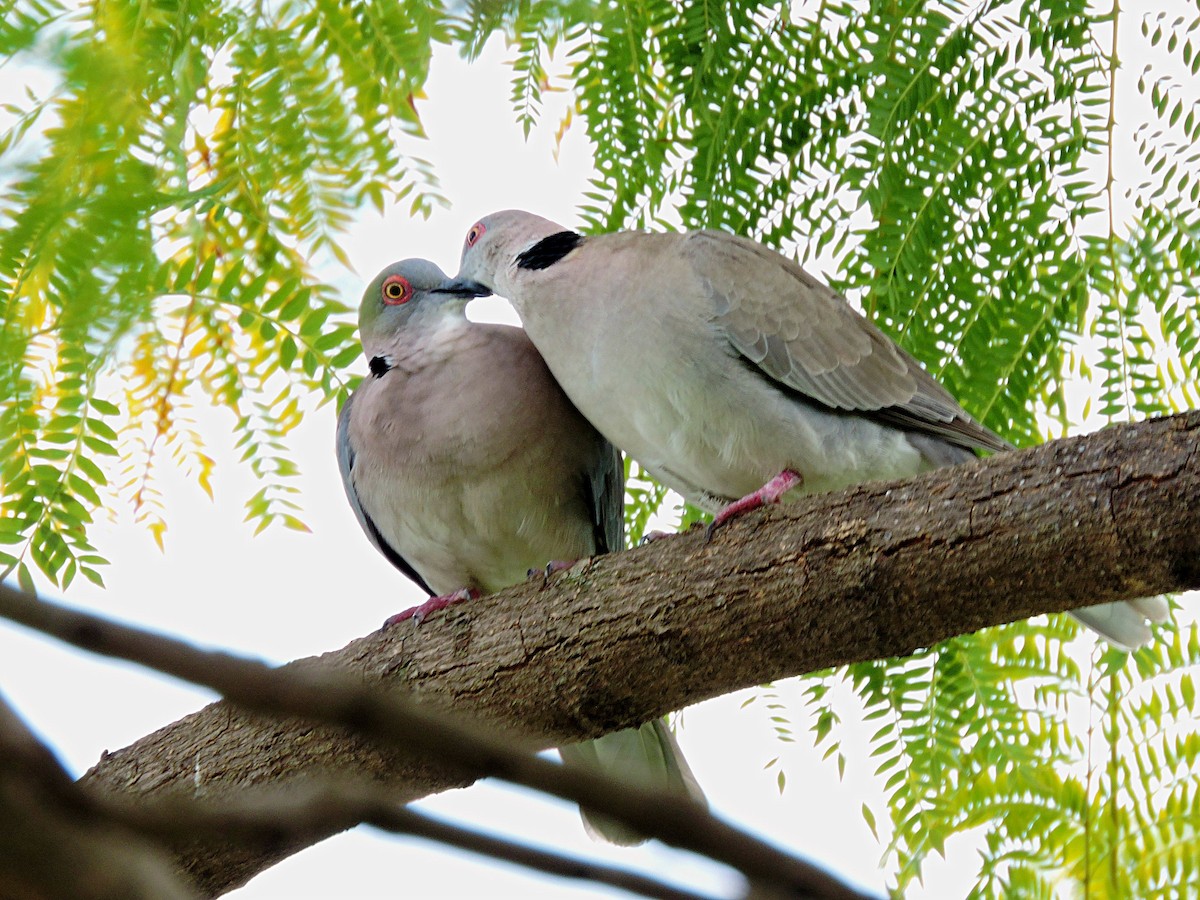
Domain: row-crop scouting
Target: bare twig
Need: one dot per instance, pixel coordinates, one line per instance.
(282, 815)
(331, 697)
(52, 845)
(265, 816)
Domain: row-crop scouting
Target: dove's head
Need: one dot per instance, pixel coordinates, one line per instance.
(498, 245)
(403, 295)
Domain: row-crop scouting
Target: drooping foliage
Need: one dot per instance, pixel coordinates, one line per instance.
(164, 195)
(962, 170)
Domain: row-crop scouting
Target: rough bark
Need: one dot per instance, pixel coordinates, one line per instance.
(875, 571)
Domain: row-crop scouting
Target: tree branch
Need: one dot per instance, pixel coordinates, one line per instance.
(54, 845)
(875, 571)
(273, 815)
(393, 721)
(61, 840)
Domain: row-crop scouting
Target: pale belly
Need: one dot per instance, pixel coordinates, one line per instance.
(481, 534)
(717, 431)
(733, 449)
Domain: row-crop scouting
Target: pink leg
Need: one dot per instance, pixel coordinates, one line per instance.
(433, 604)
(768, 493)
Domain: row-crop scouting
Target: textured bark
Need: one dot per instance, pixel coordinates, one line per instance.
(875, 571)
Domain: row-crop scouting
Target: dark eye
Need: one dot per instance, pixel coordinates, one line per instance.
(396, 290)
(475, 234)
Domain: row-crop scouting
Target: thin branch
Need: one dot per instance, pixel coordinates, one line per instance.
(283, 815)
(53, 846)
(332, 697)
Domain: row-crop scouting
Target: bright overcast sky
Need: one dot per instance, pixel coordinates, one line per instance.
(283, 595)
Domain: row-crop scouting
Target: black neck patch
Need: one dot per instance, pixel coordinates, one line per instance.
(380, 366)
(549, 250)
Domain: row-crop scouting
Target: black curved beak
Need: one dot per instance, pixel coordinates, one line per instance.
(462, 287)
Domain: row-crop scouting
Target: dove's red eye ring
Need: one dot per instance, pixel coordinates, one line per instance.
(396, 290)
(475, 234)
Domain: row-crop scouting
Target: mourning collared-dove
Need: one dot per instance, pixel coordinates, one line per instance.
(467, 466)
(728, 372)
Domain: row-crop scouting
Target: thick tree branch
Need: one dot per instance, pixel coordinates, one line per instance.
(875, 571)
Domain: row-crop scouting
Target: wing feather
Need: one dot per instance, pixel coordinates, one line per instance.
(807, 339)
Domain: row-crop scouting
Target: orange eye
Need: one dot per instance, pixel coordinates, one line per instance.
(475, 234)
(396, 290)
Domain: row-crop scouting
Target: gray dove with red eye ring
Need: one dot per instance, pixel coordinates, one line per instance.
(728, 372)
(467, 466)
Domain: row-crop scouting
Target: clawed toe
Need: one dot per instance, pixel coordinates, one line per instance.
(770, 492)
(419, 613)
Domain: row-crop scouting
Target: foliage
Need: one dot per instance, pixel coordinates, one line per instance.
(166, 201)
(162, 202)
(955, 164)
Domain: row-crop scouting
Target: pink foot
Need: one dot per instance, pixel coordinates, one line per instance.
(768, 493)
(433, 604)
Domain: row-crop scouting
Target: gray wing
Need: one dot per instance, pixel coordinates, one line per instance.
(345, 457)
(805, 336)
(606, 499)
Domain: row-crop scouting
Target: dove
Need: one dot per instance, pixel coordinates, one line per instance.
(729, 372)
(467, 466)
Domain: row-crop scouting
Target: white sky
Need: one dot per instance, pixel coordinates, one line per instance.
(282, 595)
